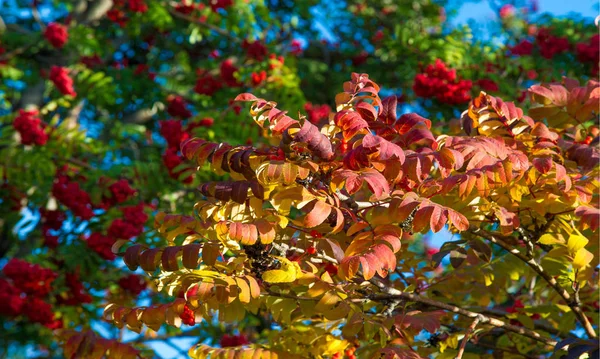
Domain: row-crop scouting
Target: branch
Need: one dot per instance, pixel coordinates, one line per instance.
(470, 330)
(531, 262)
(204, 24)
(392, 293)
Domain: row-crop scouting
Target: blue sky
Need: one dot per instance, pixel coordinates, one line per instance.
(481, 10)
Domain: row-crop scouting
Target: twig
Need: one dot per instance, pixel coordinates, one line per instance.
(470, 330)
(204, 24)
(36, 16)
(392, 293)
(548, 278)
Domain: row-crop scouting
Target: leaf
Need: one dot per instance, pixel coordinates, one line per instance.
(458, 220)
(457, 257)
(576, 242)
(429, 321)
(318, 211)
(286, 274)
(582, 259)
(388, 110)
(589, 216)
(351, 123)
(543, 164)
(386, 149)
(245, 97)
(376, 182)
(316, 142)
(482, 250)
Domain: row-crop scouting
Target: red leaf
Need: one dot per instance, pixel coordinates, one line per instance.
(388, 110)
(543, 164)
(439, 218)
(376, 182)
(590, 216)
(245, 97)
(318, 211)
(350, 122)
(458, 220)
(430, 321)
(422, 218)
(540, 130)
(387, 149)
(367, 111)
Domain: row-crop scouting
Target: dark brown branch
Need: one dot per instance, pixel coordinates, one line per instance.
(533, 264)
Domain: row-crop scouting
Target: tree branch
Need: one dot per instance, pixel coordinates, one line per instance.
(463, 345)
(216, 29)
(392, 293)
(531, 262)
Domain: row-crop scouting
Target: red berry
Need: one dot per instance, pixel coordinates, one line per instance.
(332, 269)
(315, 234)
(187, 316)
(311, 250)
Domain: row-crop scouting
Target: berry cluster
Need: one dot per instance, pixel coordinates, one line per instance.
(258, 77)
(549, 44)
(31, 128)
(133, 284)
(24, 293)
(255, 50)
(316, 113)
(71, 195)
(91, 61)
(207, 84)
(172, 131)
(117, 13)
(188, 317)
(51, 220)
(77, 294)
(590, 53)
(442, 83)
(102, 245)
(132, 225)
(177, 107)
(56, 34)
(120, 191)
(228, 70)
(296, 48)
(171, 160)
(233, 340)
(61, 79)
(488, 85)
(523, 48)
(29, 278)
(220, 4)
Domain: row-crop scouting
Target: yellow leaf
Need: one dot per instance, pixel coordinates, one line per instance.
(286, 274)
(582, 258)
(489, 278)
(548, 239)
(576, 241)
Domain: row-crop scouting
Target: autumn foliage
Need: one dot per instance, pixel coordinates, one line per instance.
(315, 228)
